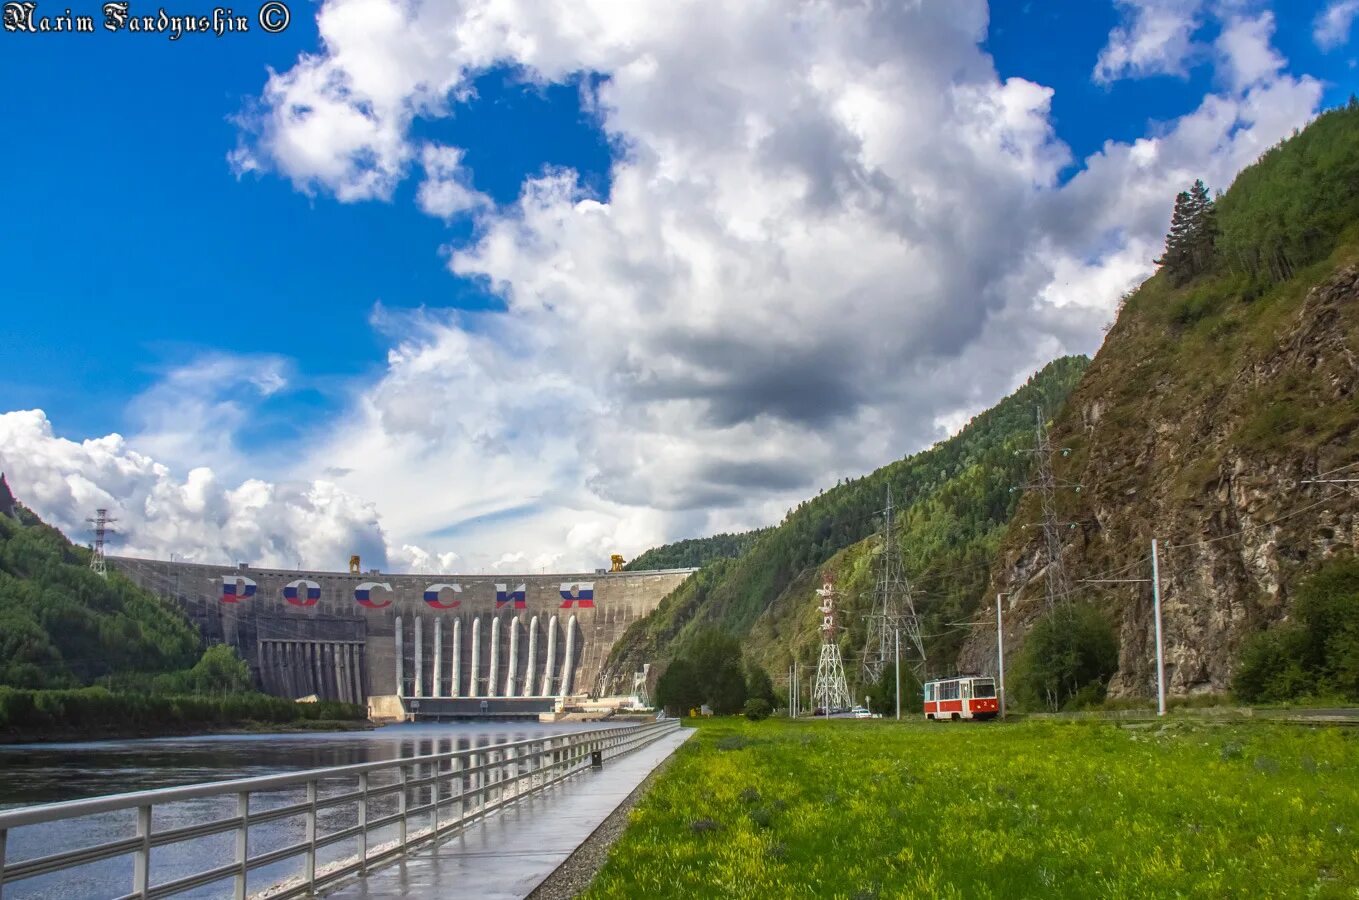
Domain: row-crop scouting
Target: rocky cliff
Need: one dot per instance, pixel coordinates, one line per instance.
(1202, 431)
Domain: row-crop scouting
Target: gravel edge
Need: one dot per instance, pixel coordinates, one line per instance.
(575, 874)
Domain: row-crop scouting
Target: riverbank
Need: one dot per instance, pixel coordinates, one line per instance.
(72, 735)
(1055, 809)
(96, 713)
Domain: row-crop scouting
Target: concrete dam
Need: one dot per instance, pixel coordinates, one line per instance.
(444, 644)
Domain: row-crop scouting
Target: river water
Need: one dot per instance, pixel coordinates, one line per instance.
(46, 773)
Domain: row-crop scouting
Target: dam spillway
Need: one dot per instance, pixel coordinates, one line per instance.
(444, 640)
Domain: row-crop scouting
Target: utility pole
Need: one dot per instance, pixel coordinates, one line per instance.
(1156, 610)
(896, 635)
(1160, 653)
(1000, 652)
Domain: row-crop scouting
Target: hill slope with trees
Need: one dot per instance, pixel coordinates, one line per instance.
(953, 499)
(695, 552)
(82, 654)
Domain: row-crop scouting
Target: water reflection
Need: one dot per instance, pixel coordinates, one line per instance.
(44, 773)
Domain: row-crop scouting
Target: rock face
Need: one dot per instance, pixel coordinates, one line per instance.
(1203, 434)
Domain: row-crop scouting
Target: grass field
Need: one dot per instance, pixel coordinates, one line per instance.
(860, 809)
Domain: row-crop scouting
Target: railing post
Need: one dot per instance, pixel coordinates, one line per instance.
(363, 823)
(141, 857)
(437, 773)
(464, 785)
(401, 805)
(311, 834)
(242, 843)
(476, 782)
(4, 839)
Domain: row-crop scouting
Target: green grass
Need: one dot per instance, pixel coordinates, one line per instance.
(1039, 809)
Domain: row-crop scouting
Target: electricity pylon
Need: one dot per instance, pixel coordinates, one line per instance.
(100, 521)
(893, 606)
(830, 692)
(1046, 484)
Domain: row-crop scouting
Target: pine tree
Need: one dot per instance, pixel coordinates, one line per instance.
(1203, 228)
(1175, 259)
(1191, 244)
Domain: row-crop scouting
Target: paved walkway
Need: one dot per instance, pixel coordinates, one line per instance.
(513, 851)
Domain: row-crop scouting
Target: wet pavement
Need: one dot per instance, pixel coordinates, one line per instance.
(510, 853)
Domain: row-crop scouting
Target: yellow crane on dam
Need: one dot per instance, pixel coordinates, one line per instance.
(617, 561)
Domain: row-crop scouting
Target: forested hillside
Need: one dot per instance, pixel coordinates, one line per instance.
(63, 626)
(1221, 402)
(695, 552)
(954, 500)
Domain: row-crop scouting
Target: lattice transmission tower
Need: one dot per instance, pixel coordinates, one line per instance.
(1047, 483)
(893, 606)
(101, 522)
(830, 692)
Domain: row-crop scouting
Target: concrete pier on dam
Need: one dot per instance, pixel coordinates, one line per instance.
(443, 645)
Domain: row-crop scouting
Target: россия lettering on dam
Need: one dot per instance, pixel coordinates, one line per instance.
(439, 645)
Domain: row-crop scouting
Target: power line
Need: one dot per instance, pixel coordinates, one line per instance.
(1047, 484)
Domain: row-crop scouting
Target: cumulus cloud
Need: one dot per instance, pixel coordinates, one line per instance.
(1332, 26)
(807, 262)
(1155, 37)
(1249, 57)
(446, 190)
(832, 233)
(198, 517)
(411, 558)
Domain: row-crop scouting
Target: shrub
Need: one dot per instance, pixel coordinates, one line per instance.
(1270, 669)
(758, 708)
(1067, 659)
(96, 707)
(1318, 653)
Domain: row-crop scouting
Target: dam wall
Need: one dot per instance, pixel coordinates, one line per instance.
(345, 636)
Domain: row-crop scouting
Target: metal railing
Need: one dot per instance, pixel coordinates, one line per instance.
(446, 790)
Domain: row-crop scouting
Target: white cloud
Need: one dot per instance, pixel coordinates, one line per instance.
(446, 190)
(197, 517)
(1156, 37)
(190, 416)
(1247, 51)
(834, 234)
(411, 558)
(1332, 26)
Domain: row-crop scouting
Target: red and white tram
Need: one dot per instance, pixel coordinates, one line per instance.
(965, 697)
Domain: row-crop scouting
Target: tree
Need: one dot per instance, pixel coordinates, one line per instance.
(1203, 232)
(1191, 244)
(1069, 655)
(1315, 654)
(883, 694)
(220, 671)
(678, 688)
(758, 684)
(726, 692)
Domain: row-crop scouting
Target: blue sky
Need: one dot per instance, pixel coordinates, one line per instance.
(133, 249)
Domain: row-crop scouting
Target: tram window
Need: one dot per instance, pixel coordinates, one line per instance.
(983, 689)
(929, 693)
(950, 690)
